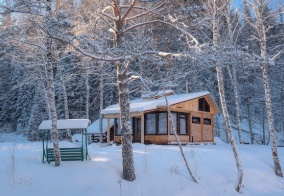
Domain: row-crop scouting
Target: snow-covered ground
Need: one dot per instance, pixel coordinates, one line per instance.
(160, 170)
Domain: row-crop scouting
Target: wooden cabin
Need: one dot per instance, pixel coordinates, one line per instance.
(192, 116)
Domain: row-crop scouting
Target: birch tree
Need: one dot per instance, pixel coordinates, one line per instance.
(222, 95)
(232, 31)
(49, 65)
(258, 7)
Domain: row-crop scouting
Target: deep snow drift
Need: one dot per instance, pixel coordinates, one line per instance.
(160, 170)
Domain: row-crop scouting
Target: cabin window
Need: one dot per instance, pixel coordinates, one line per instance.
(182, 124)
(174, 121)
(163, 123)
(203, 105)
(150, 124)
(117, 126)
(207, 121)
(196, 120)
(138, 126)
(156, 123)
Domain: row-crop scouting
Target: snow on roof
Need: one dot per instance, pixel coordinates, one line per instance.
(66, 124)
(141, 105)
(95, 126)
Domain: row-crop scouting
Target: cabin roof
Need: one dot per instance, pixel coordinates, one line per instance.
(65, 124)
(141, 105)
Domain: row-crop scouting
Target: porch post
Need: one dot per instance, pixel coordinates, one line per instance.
(142, 129)
(108, 131)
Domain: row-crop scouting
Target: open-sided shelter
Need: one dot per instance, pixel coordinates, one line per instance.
(67, 154)
(192, 116)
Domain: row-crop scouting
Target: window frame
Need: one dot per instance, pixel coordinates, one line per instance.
(178, 118)
(207, 119)
(195, 117)
(203, 105)
(186, 123)
(116, 125)
(156, 124)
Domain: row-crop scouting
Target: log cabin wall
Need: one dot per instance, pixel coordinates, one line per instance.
(198, 132)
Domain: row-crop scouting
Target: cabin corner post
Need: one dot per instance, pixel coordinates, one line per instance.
(142, 129)
(108, 131)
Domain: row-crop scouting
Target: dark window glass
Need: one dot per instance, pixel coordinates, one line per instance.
(174, 121)
(179, 123)
(163, 123)
(203, 105)
(138, 125)
(196, 120)
(150, 124)
(183, 126)
(207, 121)
(117, 127)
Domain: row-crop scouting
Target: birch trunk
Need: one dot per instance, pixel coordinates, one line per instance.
(178, 141)
(260, 28)
(249, 120)
(50, 83)
(263, 125)
(234, 73)
(278, 170)
(237, 106)
(223, 101)
(228, 127)
(126, 131)
(123, 94)
(87, 95)
(46, 99)
(101, 101)
(282, 106)
(65, 100)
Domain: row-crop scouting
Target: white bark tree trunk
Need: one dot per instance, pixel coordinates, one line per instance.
(46, 99)
(260, 28)
(228, 128)
(236, 100)
(249, 120)
(101, 101)
(123, 94)
(50, 83)
(223, 101)
(178, 141)
(126, 130)
(65, 99)
(87, 95)
(263, 125)
(234, 73)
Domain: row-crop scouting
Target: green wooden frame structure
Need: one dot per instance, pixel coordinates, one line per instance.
(67, 154)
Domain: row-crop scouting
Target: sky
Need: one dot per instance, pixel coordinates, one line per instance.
(273, 3)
